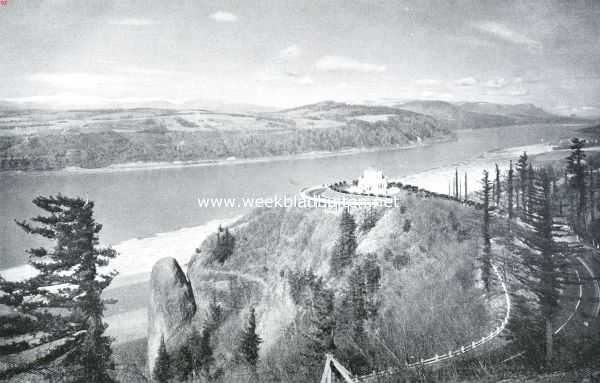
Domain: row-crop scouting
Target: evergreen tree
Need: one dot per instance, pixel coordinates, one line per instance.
(372, 273)
(592, 189)
(65, 295)
(576, 167)
(357, 293)
(182, 363)
(498, 186)
(319, 338)
(466, 190)
(224, 246)
(486, 260)
(544, 262)
(524, 331)
(522, 166)
(201, 352)
(370, 219)
(345, 247)
(456, 192)
(250, 342)
(162, 368)
(215, 314)
(509, 187)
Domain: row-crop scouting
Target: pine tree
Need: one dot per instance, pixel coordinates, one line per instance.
(182, 363)
(370, 219)
(65, 296)
(456, 192)
(215, 314)
(576, 167)
(486, 260)
(224, 246)
(498, 186)
(357, 293)
(372, 273)
(592, 197)
(510, 186)
(522, 166)
(345, 247)
(201, 352)
(466, 190)
(250, 342)
(319, 338)
(545, 263)
(162, 368)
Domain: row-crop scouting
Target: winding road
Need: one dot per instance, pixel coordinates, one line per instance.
(325, 196)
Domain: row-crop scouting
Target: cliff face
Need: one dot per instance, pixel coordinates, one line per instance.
(171, 309)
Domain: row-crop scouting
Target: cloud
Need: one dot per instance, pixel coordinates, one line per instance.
(290, 52)
(133, 22)
(466, 81)
(304, 80)
(75, 80)
(497, 83)
(223, 16)
(340, 63)
(506, 34)
(517, 91)
(428, 82)
(147, 71)
(272, 75)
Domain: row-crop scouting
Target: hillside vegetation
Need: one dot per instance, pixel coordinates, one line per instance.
(43, 140)
(475, 115)
(420, 291)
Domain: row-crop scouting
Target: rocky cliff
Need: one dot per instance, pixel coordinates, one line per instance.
(171, 308)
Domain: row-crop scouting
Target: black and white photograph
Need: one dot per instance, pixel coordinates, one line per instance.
(299, 191)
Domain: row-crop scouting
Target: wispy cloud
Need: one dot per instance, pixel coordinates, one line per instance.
(506, 34)
(75, 80)
(428, 82)
(497, 83)
(290, 52)
(224, 16)
(273, 75)
(341, 63)
(133, 22)
(147, 71)
(466, 81)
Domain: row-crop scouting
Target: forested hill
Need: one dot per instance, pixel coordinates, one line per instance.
(43, 140)
(474, 115)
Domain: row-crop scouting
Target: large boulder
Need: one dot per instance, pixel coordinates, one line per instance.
(171, 308)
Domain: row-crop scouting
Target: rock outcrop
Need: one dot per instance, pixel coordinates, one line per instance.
(171, 308)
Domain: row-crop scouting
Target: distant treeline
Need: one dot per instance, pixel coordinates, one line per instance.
(100, 149)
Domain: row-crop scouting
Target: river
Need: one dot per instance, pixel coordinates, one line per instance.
(141, 203)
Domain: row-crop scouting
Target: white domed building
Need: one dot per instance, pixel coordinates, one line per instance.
(372, 181)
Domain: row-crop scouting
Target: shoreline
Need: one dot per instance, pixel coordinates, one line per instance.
(138, 255)
(152, 165)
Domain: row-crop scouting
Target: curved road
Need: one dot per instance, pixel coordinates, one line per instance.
(315, 194)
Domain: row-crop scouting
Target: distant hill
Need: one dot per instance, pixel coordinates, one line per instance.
(473, 115)
(53, 139)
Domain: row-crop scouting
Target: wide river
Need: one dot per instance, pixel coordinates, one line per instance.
(140, 203)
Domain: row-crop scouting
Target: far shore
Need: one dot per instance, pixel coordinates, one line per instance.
(137, 166)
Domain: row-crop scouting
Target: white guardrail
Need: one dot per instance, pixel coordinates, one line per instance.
(452, 353)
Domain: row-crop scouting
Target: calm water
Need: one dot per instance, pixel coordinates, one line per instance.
(143, 202)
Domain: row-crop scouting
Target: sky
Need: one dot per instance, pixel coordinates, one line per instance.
(287, 53)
